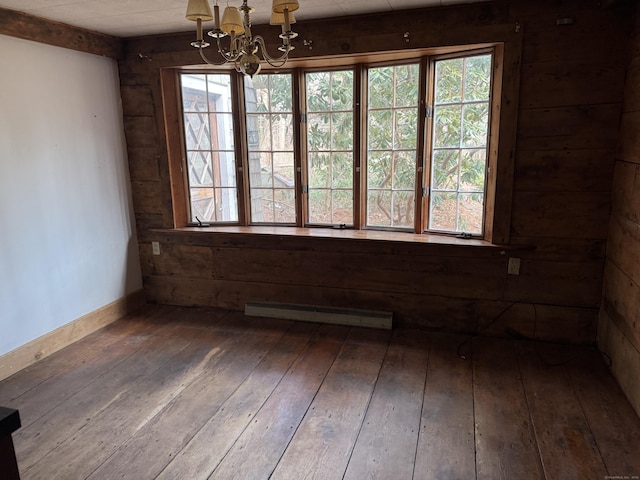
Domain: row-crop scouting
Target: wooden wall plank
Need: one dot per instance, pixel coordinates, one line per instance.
(621, 302)
(625, 357)
(143, 164)
(564, 170)
(571, 82)
(623, 247)
(546, 214)
(619, 326)
(629, 144)
(626, 194)
(631, 94)
(573, 127)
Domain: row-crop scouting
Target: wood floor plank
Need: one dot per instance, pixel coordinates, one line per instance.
(141, 403)
(567, 447)
(386, 445)
(613, 422)
(446, 446)
(102, 393)
(40, 437)
(192, 390)
(322, 445)
(157, 393)
(505, 443)
(156, 444)
(81, 352)
(273, 427)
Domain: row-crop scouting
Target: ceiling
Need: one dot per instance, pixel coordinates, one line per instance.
(128, 18)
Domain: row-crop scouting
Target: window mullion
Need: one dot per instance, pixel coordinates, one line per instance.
(423, 153)
(299, 147)
(241, 147)
(359, 147)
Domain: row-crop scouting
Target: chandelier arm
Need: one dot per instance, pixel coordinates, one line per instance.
(228, 56)
(203, 56)
(268, 58)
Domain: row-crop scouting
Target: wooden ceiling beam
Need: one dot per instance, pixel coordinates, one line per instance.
(29, 27)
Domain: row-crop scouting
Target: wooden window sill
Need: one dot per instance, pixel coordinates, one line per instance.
(378, 237)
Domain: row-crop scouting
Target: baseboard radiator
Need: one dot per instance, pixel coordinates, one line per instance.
(319, 314)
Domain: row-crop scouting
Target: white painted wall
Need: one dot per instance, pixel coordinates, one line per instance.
(67, 234)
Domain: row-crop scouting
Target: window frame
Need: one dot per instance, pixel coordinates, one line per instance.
(497, 202)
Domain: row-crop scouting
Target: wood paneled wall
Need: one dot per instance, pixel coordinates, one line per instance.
(572, 82)
(619, 328)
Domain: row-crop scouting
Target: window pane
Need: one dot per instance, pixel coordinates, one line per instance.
(342, 131)
(380, 129)
(381, 87)
(477, 78)
(447, 128)
(329, 99)
(268, 100)
(460, 137)
(284, 205)
(318, 131)
(200, 171)
(392, 132)
(262, 205)
(404, 170)
(342, 90)
(407, 86)
(403, 209)
(449, 80)
(196, 131)
(379, 169)
(406, 132)
(280, 90)
(445, 169)
(319, 206)
(342, 207)
(209, 141)
(472, 170)
(470, 211)
(261, 175)
(444, 211)
(318, 85)
(475, 124)
(342, 170)
(379, 208)
(319, 170)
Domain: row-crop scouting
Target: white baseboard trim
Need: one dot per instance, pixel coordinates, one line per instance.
(41, 347)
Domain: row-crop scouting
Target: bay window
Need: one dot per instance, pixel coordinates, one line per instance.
(395, 146)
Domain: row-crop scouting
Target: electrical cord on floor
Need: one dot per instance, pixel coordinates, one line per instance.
(519, 336)
(494, 320)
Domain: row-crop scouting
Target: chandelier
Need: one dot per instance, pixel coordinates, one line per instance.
(242, 47)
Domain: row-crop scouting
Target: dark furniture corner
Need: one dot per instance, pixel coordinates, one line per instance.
(9, 423)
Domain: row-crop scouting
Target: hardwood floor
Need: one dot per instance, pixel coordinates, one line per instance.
(176, 393)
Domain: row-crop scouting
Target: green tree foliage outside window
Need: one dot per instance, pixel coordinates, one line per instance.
(392, 136)
(269, 117)
(460, 136)
(329, 99)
